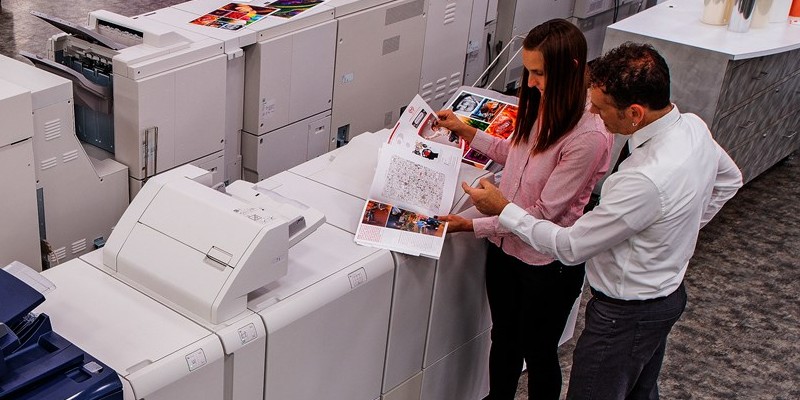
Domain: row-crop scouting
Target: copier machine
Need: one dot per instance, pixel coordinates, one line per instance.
(308, 82)
(19, 238)
(35, 362)
(165, 303)
(61, 191)
(439, 330)
(194, 286)
(149, 94)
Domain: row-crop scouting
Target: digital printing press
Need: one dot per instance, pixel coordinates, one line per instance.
(147, 93)
(439, 335)
(155, 91)
(66, 194)
(35, 362)
(180, 304)
(309, 81)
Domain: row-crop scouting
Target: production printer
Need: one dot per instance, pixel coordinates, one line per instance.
(35, 362)
(19, 238)
(174, 321)
(309, 81)
(439, 331)
(62, 192)
(149, 94)
(344, 322)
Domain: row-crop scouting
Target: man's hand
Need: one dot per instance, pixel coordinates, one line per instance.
(486, 197)
(457, 223)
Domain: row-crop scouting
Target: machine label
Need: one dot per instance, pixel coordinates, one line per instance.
(357, 278)
(254, 214)
(248, 333)
(267, 108)
(196, 359)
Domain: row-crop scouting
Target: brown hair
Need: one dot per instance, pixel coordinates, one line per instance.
(563, 49)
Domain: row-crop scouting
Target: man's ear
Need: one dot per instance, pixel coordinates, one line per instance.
(636, 113)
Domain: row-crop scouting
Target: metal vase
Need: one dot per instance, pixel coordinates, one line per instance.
(741, 15)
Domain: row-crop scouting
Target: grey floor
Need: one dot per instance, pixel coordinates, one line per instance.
(740, 335)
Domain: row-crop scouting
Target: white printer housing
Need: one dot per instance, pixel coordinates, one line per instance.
(159, 73)
(178, 228)
(80, 191)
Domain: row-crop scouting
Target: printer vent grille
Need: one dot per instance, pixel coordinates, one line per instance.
(57, 255)
(404, 11)
(69, 156)
(48, 163)
(78, 246)
(391, 45)
(52, 129)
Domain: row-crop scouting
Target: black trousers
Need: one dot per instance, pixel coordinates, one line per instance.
(619, 353)
(529, 305)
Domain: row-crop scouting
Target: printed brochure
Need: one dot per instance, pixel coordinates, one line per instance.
(415, 181)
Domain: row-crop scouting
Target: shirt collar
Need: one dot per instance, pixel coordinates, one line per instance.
(654, 128)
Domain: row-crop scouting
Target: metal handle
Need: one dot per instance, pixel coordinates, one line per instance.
(494, 61)
(150, 151)
(792, 134)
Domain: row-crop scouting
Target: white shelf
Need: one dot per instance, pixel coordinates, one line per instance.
(678, 21)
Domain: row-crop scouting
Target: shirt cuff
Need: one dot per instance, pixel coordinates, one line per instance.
(512, 216)
(482, 227)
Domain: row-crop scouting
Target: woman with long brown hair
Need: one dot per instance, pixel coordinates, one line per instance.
(558, 152)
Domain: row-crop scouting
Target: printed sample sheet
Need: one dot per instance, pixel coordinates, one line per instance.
(415, 181)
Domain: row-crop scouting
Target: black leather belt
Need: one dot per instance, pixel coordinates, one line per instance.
(604, 298)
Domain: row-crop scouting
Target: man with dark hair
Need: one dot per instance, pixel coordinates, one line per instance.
(640, 237)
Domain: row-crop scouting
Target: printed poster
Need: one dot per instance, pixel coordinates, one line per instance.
(234, 16)
(492, 116)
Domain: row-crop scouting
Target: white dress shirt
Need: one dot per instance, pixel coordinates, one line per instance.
(638, 241)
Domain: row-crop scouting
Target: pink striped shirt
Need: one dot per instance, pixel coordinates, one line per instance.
(554, 185)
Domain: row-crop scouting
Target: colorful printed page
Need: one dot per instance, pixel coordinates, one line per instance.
(235, 16)
(492, 116)
(290, 8)
(415, 181)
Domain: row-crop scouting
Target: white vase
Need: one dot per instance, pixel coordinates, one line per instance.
(718, 12)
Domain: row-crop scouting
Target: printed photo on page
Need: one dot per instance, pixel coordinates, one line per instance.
(415, 181)
(492, 116)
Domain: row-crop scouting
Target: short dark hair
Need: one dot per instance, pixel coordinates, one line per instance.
(632, 73)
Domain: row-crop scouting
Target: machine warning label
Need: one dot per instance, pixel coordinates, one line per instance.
(357, 278)
(196, 359)
(248, 333)
(254, 214)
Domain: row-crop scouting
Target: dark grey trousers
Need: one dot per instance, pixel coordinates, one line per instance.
(619, 353)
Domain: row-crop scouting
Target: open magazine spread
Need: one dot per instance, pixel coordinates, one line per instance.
(415, 181)
(492, 116)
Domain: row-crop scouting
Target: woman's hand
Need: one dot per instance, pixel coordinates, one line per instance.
(448, 120)
(457, 223)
